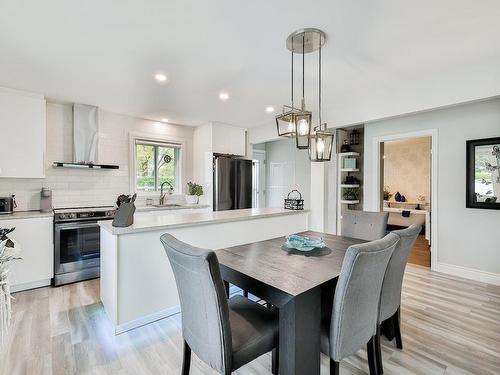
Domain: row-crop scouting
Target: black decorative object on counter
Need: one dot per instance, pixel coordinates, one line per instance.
(354, 137)
(124, 216)
(294, 203)
(397, 197)
(345, 147)
(351, 180)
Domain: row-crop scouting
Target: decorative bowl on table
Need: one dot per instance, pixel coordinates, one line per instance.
(304, 244)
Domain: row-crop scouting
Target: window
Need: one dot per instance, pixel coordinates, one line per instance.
(157, 163)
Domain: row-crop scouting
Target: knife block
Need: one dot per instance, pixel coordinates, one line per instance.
(124, 217)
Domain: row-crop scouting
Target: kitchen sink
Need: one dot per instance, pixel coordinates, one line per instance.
(168, 205)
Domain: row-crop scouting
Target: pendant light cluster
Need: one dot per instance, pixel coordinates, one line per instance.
(297, 122)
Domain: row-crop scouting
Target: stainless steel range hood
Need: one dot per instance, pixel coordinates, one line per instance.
(85, 138)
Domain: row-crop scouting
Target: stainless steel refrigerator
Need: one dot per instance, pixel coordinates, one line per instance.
(232, 183)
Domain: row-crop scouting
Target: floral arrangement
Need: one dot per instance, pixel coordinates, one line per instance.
(8, 252)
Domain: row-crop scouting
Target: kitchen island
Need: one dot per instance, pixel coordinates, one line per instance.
(137, 282)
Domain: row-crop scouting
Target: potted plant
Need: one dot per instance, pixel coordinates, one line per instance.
(8, 251)
(387, 193)
(350, 194)
(194, 193)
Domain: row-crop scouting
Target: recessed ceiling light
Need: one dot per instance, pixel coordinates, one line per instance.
(164, 119)
(160, 77)
(269, 109)
(224, 96)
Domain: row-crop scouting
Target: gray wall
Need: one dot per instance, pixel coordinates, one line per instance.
(287, 168)
(467, 238)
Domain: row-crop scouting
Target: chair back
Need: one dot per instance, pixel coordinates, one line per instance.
(364, 225)
(391, 288)
(357, 296)
(205, 311)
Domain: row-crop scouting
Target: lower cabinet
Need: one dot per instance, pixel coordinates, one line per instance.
(35, 238)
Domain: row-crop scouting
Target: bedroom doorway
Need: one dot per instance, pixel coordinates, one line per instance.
(406, 186)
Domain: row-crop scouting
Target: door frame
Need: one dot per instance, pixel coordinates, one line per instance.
(260, 155)
(376, 183)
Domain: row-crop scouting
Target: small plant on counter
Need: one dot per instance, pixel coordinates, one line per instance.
(350, 194)
(194, 192)
(195, 189)
(8, 251)
(387, 194)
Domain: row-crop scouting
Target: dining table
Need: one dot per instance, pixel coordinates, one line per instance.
(295, 283)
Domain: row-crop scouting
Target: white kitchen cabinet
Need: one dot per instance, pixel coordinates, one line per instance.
(22, 125)
(230, 140)
(35, 237)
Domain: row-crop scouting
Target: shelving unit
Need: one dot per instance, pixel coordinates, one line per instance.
(349, 170)
(356, 170)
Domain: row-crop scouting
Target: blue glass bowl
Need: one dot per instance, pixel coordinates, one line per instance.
(300, 243)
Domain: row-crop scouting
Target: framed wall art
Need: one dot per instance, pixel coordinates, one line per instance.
(483, 173)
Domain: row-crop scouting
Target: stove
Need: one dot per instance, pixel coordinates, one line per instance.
(77, 239)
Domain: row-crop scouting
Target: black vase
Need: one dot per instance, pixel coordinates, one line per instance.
(397, 197)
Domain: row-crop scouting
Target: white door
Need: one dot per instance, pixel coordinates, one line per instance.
(259, 179)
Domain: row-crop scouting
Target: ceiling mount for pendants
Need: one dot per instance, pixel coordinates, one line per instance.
(305, 40)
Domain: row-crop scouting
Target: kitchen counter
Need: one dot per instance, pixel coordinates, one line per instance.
(143, 223)
(137, 284)
(25, 215)
(182, 206)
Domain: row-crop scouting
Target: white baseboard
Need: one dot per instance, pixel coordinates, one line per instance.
(147, 319)
(468, 273)
(31, 285)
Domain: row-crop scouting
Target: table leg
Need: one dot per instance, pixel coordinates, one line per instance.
(299, 334)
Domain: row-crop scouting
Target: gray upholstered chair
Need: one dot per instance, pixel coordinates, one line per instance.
(225, 334)
(364, 225)
(390, 298)
(354, 316)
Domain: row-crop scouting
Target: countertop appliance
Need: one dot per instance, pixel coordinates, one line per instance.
(7, 205)
(77, 243)
(232, 183)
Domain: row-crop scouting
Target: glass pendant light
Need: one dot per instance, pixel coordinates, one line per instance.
(321, 144)
(303, 118)
(296, 122)
(285, 122)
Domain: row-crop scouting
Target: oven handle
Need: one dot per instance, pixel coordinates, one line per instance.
(76, 226)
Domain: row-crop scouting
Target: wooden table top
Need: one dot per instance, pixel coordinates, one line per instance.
(294, 274)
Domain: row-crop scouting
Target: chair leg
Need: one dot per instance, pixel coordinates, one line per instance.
(334, 367)
(378, 353)
(186, 359)
(396, 321)
(245, 294)
(226, 286)
(276, 361)
(370, 349)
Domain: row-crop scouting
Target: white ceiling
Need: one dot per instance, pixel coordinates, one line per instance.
(382, 58)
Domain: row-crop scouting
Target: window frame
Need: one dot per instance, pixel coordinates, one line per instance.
(155, 140)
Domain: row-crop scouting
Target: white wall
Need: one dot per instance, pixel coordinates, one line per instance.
(85, 187)
(468, 239)
(287, 168)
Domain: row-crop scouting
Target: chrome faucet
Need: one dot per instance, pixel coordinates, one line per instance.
(162, 195)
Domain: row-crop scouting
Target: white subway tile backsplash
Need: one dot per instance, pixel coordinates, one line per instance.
(85, 187)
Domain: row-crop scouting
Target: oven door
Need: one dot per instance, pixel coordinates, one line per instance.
(77, 246)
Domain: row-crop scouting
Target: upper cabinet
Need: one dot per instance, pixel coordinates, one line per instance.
(22, 125)
(230, 140)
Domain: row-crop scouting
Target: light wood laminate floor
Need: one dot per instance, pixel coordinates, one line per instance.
(450, 326)
(420, 253)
